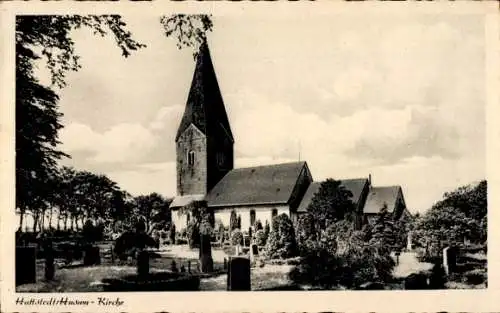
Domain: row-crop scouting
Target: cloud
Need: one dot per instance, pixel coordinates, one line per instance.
(146, 178)
(408, 133)
(121, 143)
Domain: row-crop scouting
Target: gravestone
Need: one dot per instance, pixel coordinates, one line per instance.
(91, 256)
(49, 261)
(25, 265)
(173, 267)
(449, 260)
(409, 244)
(416, 282)
(254, 251)
(206, 261)
(143, 264)
(238, 274)
(437, 278)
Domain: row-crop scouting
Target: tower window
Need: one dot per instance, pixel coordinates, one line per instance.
(191, 157)
(220, 159)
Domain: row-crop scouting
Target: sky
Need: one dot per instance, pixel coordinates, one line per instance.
(399, 97)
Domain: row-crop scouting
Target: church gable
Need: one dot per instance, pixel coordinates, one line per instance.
(358, 187)
(392, 196)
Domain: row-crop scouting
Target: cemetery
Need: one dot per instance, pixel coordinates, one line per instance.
(274, 258)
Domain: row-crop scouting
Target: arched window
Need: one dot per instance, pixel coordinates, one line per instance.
(252, 217)
(274, 213)
(191, 158)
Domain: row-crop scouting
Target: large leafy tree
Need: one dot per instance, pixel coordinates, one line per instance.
(151, 205)
(460, 215)
(331, 203)
(46, 40)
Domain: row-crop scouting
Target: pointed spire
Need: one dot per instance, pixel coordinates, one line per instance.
(205, 106)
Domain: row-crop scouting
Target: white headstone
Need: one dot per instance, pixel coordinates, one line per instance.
(445, 261)
(409, 242)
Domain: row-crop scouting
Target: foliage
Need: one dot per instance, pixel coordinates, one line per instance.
(383, 232)
(342, 258)
(193, 234)
(258, 225)
(189, 30)
(172, 234)
(238, 222)
(236, 237)
(129, 243)
(306, 230)
(267, 229)
(331, 203)
(233, 221)
(260, 238)
(91, 233)
(281, 242)
(152, 206)
(460, 215)
(202, 221)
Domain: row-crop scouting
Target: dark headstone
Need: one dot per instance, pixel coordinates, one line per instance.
(255, 249)
(143, 264)
(451, 258)
(238, 276)
(183, 268)
(206, 261)
(416, 282)
(91, 256)
(49, 263)
(437, 278)
(173, 267)
(25, 265)
(189, 266)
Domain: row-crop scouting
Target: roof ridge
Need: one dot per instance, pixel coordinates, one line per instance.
(269, 165)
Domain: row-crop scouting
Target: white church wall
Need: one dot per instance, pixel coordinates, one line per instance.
(262, 213)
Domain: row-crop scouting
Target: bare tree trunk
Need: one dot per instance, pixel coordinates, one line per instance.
(65, 219)
(51, 212)
(35, 221)
(72, 222)
(21, 220)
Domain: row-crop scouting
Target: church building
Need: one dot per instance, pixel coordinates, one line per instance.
(205, 168)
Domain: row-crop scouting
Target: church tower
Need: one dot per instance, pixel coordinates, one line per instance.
(204, 141)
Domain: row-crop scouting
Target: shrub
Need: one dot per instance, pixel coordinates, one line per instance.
(342, 258)
(475, 277)
(306, 231)
(233, 221)
(267, 229)
(258, 225)
(260, 238)
(172, 234)
(236, 237)
(129, 242)
(281, 242)
(193, 234)
(163, 234)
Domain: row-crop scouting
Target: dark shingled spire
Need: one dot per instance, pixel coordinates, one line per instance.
(205, 107)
